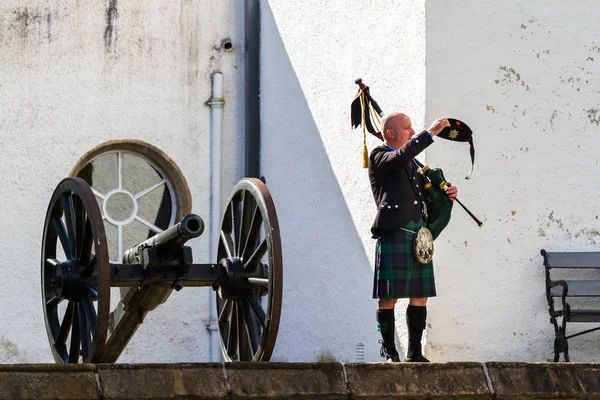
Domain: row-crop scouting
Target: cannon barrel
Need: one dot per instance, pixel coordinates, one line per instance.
(167, 242)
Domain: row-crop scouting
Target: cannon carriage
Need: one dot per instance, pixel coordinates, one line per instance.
(76, 276)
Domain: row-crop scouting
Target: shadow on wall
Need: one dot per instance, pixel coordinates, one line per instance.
(327, 304)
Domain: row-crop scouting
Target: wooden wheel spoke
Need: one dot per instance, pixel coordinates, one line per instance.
(227, 243)
(53, 303)
(80, 218)
(226, 225)
(63, 236)
(90, 315)
(253, 235)
(92, 290)
(243, 334)
(84, 332)
(245, 221)
(236, 224)
(225, 313)
(258, 254)
(232, 334)
(75, 339)
(88, 269)
(259, 312)
(65, 326)
(251, 326)
(87, 241)
(67, 202)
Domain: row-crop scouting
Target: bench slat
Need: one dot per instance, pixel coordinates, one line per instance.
(586, 259)
(578, 289)
(584, 316)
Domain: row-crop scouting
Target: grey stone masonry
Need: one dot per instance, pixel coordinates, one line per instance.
(315, 381)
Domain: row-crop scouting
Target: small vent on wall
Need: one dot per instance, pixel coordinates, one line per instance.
(360, 352)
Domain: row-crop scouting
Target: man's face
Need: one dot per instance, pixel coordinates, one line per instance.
(403, 130)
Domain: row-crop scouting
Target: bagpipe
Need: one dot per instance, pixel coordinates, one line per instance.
(366, 112)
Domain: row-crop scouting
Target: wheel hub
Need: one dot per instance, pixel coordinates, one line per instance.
(234, 283)
(65, 280)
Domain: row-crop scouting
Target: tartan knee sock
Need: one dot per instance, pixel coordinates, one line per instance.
(415, 322)
(386, 326)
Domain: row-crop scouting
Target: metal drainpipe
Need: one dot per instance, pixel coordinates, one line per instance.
(252, 92)
(216, 105)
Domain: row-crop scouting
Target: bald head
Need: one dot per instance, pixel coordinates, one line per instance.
(391, 120)
(396, 129)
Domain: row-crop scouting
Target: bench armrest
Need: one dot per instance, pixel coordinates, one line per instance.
(565, 289)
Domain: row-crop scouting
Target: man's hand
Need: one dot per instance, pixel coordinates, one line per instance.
(452, 192)
(438, 125)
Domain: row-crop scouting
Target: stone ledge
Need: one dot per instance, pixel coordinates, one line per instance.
(287, 381)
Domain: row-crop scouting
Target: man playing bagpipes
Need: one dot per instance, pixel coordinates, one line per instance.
(400, 230)
(414, 204)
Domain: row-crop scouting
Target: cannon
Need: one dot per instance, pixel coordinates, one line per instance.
(77, 276)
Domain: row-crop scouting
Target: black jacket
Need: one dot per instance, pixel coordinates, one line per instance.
(397, 191)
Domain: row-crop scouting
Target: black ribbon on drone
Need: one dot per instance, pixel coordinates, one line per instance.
(365, 111)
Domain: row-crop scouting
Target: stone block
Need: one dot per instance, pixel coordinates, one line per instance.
(286, 381)
(545, 380)
(48, 381)
(162, 381)
(386, 381)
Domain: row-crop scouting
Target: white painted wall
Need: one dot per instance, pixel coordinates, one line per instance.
(525, 77)
(71, 81)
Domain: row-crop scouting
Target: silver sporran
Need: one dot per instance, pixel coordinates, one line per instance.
(423, 246)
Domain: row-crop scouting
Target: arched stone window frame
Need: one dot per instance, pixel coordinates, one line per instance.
(176, 182)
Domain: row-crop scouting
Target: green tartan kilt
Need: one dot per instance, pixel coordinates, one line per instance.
(397, 273)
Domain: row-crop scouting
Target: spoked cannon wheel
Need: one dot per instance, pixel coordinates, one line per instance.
(75, 274)
(249, 298)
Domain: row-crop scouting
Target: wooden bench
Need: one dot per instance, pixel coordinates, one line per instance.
(566, 289)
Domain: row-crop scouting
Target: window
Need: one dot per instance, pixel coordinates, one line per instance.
(139, 189)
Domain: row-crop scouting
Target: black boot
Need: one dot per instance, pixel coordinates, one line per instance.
(386, 326)
(415, 321)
